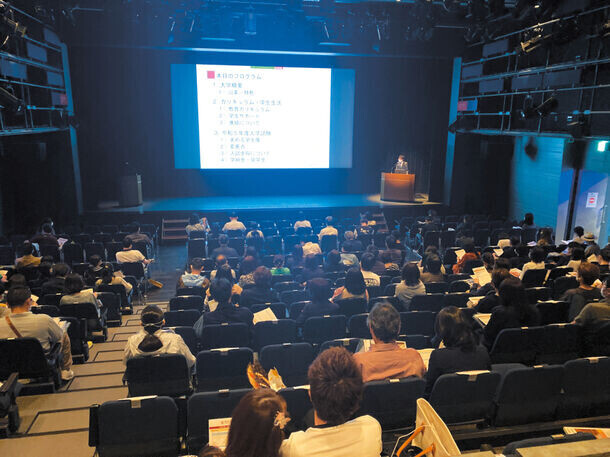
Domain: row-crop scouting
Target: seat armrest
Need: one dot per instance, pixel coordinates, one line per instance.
(11, 386)
(94, 437)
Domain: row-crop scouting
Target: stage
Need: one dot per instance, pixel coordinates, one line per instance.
(265, 203)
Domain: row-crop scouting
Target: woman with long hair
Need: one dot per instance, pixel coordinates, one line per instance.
(354, 286)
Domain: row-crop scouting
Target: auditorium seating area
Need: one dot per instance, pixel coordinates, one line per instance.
(542, 377)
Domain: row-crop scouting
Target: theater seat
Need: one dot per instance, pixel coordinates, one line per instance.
(586, 388)
(223, 369)
(417, 323)
(9, 411)
(186, 302)
(165, 374)
(358, 326)
(292, 361)
(136, 427)
(351, 344)
(351, 306)
(181, 318)
(317, 330)
(299, 405)
(516, 345)
(225, 335)
(274, 332)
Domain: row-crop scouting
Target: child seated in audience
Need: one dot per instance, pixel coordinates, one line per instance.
(335, 389)
(153, 339)
(278, 266)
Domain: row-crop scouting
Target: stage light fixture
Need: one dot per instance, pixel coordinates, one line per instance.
(547, 106)
(9, 101)
(602, 146)
(528, 111)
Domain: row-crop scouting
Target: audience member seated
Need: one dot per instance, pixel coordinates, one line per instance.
(94, 272)
(278, 266)
(388, 262)
(261, 292)
(320, 293)
(46, 221)
(351, 244)
(367, 262)
(311, 248)
(492, 298)
(514, 311)
(220, 261)
(153, 339)
(75, 293)
(131, 255)
(254, 232)
(537, 256)
(335, 389)
(225, 312)
(295, 260)
(28, 259)
(603, 260)
(311, 269)
(511, 251)
(576, 258)
(329, 229)
(301, 222)
(378, 267)
(365, 228)
(332, 263)
(246, 271)
(223, 272)
(592, 253)
(349, 259)
(46, 237)
(410, 286)
(194, 278)
(257, 425)
(223, 248)
(428, 226)
(461, 350)
(234, 224)
(197, 224)
(392, 246)
(471, 254)
(586, 292)
(432, 270)
(589, 238)
(579, 232)
(113, 278)
(57, 283)
(354, 286)
(594, 313)
(528, 222)
(138, 236)
(386, 359)
(21, 323)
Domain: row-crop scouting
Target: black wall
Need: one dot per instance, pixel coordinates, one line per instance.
(122, 101)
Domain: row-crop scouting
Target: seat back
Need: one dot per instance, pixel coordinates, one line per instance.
(392, 401)
(328, 243)
(135, 269)
(135, 427)
(188, 336)
(464, 397)
(93, 248)
(528, 395)
(225, 336)
(186, 302)
(317, 330)
(298, 404)
(351, 344)
(536, 294)
(516, 345)
(459, 299)
(428, 302)
(358, 326)
(274, 332)
(459, 286)
(436, 287)
(292, 361)
(223, 369)
(351, 306)
(417, 323)
(165, 374)
(24, 356)
(291, 296)
(202, 407)
(279, 309)
(49, 310)
(534, 278)
(559, 343)
(586, 388)
(553, 312)
(185, 291)
(562, 284)
(112, 304)
(181, 318)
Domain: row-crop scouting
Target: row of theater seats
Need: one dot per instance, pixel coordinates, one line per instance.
(507, 396)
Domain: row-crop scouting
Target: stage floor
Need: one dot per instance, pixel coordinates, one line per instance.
(274, 202)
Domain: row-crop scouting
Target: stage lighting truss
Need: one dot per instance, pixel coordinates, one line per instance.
(8, 26)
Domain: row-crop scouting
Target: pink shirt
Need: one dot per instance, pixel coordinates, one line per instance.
(389, 361)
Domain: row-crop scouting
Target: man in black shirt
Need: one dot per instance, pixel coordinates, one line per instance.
(224, 249)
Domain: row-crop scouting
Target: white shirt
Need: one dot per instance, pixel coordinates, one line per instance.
(172, 344)
(328, 231)
(130, 256)
(371, 279)
(532, 266)
(234, 225)
(311, 248)
(359, 437)
(298, 224)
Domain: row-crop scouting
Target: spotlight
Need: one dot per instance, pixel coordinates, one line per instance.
(547, 106)
(528, 111)
(8, 100)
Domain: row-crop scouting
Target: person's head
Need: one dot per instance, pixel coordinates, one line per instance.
(19, 299)
(196, 265)
(254, 229)
(152, 321)
(319, 289)
(335, 386)
(522, 250)
(390, 242)
(349, 235)
(367, 262)
(384, 322)
(499, 275)
(262, 277)
(329, 221)
(488, 260)
(515, 241)
(220, 261)
(233, 216)
(220, 290)
(401, 158)
(605, 254)
(333, 258)
(546, 234)
(512, 293)
(60, 270)
(17, 280)
(95, 260)
(468, 245)
(385, 257)
(592, 249)
(528, 219)
(126, 243)
(28, 248)
(311, 262)
(223, 240)
(454, 329)
(278, 261)
(194, 219)
(502, 262)
(354, 281)
(45, 269)
(257, 425)
(579, 231)
(297, 252)
(107, 273)
(74, 283)
(211, 451)
(578, 254)
(248, 265)
(47, 228)
(588, 273)
(537, 255)
(410, 274)
(433, 264)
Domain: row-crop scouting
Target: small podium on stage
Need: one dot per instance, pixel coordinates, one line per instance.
(397, 187)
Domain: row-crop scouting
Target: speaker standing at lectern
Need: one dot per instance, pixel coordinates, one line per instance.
(401, 166)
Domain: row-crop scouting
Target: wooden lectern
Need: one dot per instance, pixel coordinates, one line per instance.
(397, 187)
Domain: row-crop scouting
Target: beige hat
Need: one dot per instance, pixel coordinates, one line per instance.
(589, 237)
